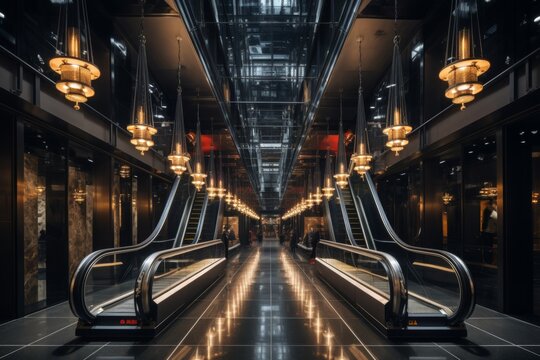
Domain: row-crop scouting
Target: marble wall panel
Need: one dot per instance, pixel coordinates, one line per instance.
(79, 219)
(31, 232)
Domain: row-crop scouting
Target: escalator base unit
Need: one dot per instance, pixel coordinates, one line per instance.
(427, 332)
(165, 309)
(376, 308)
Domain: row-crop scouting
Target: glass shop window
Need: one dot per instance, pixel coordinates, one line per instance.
(8, 22)
(124, 205)
(442, 215)
(480, 214)
(160, 193)
(535, 201)
(44, 209)
(80, 204)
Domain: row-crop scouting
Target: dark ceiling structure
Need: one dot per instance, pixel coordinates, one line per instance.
(268, 68)
(268, 74)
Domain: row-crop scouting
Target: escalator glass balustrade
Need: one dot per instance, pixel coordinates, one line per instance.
(440, 291)
(106, 291)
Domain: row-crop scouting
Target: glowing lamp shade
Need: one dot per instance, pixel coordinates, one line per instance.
(74, 60)
(464, 61)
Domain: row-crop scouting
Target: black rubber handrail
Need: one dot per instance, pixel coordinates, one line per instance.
(186, 214)
(77, 300)
(465, 282)
(145, 280)
(345, 215)
(202, 219)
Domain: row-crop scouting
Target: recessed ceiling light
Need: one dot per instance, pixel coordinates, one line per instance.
(537, 19)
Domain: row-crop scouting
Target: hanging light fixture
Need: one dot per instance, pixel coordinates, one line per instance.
(142, 125)
(124, 171)
(198, 174)
(221, 190)
(179, 157)
(361, 159)
(74, 60)
(397, 126)
(229, 197)
(317, 194)
(40, 188)
(447, 198)
(464, 61)
(341, 175)
(328, 186)
(309, 190)
(79, 194)
(211, 187)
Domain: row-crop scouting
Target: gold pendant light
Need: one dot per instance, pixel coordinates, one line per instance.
(198, 174)
(229, 196)
(179, 157)
(79, 193)
(397, 126)
(317, 194)
(463, 61)
(361, 159)
(74, 61)
(211, 188)
(328, 186)
(221, 190)
(124, 171)
(142, 126)
(341, 175)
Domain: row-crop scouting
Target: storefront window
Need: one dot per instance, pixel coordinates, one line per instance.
(480, 233)
(443, 202)
(45, 240)
(535, 201)
(80, 204)
(8, 22)
(123, 195)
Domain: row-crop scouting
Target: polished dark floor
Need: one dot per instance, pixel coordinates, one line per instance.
(268, 306)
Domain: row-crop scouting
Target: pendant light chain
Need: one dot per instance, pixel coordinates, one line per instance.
(397, 127)
(341, 175)
(360, 64)
(179, 73)
(361, 158)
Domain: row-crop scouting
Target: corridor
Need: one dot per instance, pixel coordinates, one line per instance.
(269, 305)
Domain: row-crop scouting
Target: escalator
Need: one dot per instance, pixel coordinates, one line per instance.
(213, 221)
(352, 223)
(135, 290)
(334, 216)
(405, 291)
(197, 217)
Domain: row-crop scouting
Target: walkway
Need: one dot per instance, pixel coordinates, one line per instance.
(268, 306)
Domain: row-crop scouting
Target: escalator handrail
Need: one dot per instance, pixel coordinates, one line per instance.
(396, 278)
(467, 294)
(184, 221)
(348, 229)
(219, 220)
(329, 219)
(145, 280)
(368, 237)
(202, 218)
(77, 300)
